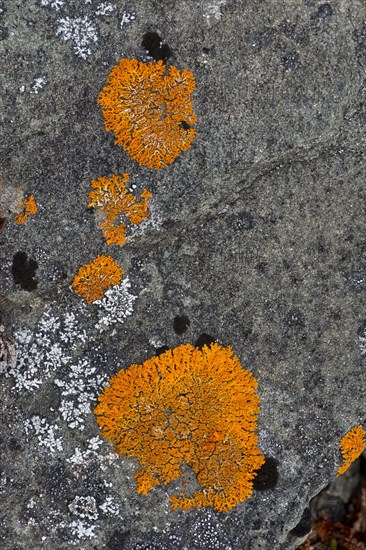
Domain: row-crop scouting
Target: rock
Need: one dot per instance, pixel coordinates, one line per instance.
(256, 239)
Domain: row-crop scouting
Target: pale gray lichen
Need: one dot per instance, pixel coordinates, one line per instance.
(78, 392)
(116, 305)
(81, 31)
(105, 8)
(127, 18)
(8, 356)
(362, 343)
(84, 507)
(95, 452)
(212, 9)
(81, 530)
(110, 507)
(54, 4)
(38, 83)
(38, 354)
(46, 434)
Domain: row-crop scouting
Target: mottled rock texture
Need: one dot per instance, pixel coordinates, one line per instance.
(256, 239)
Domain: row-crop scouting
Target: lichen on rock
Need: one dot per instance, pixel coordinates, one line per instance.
(93, 279)
(352, 445)
(148, 107)
(191, 406)
(111, 196)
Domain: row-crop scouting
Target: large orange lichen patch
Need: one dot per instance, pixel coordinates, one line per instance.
(93, 279)
(114, 200)
(352, 445)
(192, 406)
(148, 107)
(29, 208)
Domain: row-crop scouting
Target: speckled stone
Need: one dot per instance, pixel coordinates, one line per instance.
(256, 239)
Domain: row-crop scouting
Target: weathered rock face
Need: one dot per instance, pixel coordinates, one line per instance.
(256, 236)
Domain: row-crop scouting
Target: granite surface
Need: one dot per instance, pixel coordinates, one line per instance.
(256, 239)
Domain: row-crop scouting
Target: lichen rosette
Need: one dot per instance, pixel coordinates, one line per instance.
(149, 110)
(187, 406)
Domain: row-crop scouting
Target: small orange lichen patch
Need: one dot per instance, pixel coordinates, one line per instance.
(29, 208)
(114, 200)
(94, 278)
(148, 107)
(352, 445)
(192, 406)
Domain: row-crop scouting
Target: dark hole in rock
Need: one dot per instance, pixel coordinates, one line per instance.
(153, 44)
(325, 10)
(267, 476)
(290, 60)
(181, 323)
(24, 270)
(206, 50)
(161, 350)
(117, 540)
(363, 465)
(204, 340)
(303, 528)
(185, 125)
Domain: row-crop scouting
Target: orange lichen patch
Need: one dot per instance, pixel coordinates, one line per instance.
(192, 406)
(29, 208)
(148, 107)
(352, 445)
(114, 200)
(94, 278)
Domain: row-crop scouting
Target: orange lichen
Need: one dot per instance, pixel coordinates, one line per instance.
(352, 445)
(148, 107)
(29, 208)
(94, 278)
(187, 406)
(114, 200)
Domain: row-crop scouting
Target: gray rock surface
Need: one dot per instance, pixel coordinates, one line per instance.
(256, 234)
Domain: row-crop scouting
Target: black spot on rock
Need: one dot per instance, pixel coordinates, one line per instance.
(185, 125)
(325, 10)
(24, 270)
(118, 540)
(161, 350)
(153, 44)
(204, 340)
(267, 476)
(181, 323)
(303, 528)
(290, 60)
(295, 318)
